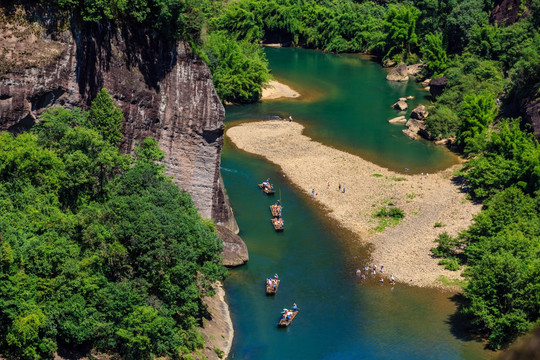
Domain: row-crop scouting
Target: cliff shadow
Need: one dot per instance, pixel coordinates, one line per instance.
(93, 56)
(104, 51)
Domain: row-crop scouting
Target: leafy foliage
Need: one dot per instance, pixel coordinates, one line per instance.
(435, 54)
(97, 249)
(106, 118)
(239, 68)
(401, 30)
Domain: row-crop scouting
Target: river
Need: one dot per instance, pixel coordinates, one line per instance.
(345, 103)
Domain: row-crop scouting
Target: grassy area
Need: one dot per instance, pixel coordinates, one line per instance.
(454, 282)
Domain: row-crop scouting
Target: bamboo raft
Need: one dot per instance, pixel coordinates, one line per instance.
(275, 210)
(270, 289)
(267, 190)
(278, 224)
(284, 323)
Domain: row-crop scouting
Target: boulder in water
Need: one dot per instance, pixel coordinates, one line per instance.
(399, 73)
(398, 120)
(419, 113)
(400, 105)
(235, 252)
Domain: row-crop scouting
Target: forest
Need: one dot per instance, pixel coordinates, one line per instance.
(491, 61)
(99, 250)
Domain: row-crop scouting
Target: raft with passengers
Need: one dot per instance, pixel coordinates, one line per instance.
(287, 316)
(272, 285)
(278, 223)
(267, 187)
(276, 209)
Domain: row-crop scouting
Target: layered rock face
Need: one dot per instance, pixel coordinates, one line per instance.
(163, 90)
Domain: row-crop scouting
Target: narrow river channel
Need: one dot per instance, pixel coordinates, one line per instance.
(345, 103)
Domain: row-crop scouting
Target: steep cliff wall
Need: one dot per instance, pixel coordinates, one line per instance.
(163, 90)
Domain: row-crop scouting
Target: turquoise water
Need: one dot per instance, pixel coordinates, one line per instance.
(340, 316)
(346, 102)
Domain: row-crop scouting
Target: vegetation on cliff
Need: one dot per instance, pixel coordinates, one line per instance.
(98, 250)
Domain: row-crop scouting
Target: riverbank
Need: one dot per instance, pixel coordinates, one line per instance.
(432, 203)
(276, 90)
(217, 329)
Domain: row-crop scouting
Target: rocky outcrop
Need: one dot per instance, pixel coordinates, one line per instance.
(399, 73)
(235, 252)
(530, 109)
(388, 63)
(419, 113)
(217, 328)
(415, 129)
(507, 12)
(400, 105)
(163, 89)
(398, 120)
(437, 85)
(414, 69)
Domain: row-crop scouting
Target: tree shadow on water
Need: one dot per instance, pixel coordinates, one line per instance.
(461, 325)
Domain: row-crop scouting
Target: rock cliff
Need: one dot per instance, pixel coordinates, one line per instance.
(163, 89)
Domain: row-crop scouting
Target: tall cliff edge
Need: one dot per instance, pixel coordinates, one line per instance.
(163, 90)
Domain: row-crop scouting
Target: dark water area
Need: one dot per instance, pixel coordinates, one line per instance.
(341, 316)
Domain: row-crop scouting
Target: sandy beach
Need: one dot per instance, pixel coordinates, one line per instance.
(403, 249)
(276, 90)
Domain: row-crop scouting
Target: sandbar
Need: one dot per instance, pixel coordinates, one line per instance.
(432, 203)
(276, 90)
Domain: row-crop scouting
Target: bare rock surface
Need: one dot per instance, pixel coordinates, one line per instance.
(415, 129)
(419, 113)
(398, 120)
(414, 69)
(400, 105)
(399, 73)
(437, 85)
(163, 89)
(235, 252)
(217, 328)
(388, 63)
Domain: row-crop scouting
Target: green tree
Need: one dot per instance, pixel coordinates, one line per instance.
(239, 70)
(478, 112)
(401, 29)
(434, 54)
(106, 118)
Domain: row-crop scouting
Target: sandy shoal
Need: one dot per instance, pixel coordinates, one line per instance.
(404, 249)
(275, 90)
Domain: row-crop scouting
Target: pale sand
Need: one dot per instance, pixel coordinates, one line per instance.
(404, 250)
(275, 90)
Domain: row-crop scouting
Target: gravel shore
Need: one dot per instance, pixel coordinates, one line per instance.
(276, 90)
(426, 200)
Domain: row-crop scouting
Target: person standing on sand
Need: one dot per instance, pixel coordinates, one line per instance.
(339, 187)
(313, 192)
(290, 118)
(344, 189)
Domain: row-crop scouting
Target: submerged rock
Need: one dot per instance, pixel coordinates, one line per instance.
(398, 120)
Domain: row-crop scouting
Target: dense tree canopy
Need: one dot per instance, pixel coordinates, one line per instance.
(97, 249)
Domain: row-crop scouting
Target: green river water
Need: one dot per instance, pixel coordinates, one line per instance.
(345, 103)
